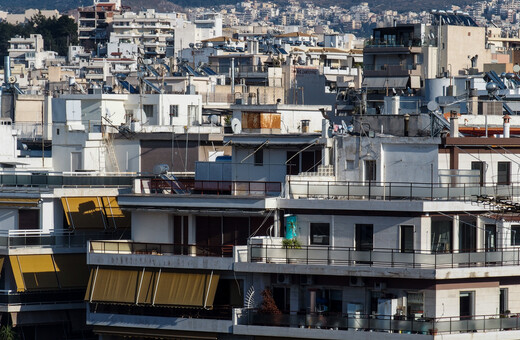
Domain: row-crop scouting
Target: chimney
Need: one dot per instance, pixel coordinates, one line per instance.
(507, 125)
(454, 124)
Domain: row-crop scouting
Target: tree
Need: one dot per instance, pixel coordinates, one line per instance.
(268, 305)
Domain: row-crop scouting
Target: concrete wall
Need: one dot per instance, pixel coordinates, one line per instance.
(127, 155)
(153, 227)
(272, 170)
(394, 158)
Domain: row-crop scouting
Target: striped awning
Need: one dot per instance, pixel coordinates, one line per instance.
(94, 213)
(152, 287)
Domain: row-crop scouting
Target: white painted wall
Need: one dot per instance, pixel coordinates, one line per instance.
(153, 227)
(8, 219)
(127, 155)
(272, 170)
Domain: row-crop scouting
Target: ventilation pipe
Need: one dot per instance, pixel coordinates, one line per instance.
(507, 126)
(454, 124)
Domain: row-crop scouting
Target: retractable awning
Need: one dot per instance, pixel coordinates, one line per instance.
(94, 213)
(152, 287)
(19, 202)
(48, 272)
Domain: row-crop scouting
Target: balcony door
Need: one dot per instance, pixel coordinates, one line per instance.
(491, 237)
(406, 238)
(364, 237)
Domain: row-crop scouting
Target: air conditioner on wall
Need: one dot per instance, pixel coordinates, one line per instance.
(283, 279)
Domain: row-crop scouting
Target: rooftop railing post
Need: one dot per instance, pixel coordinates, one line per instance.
(287, 255)
(308, 184)
(390, 192)
(369, 189)
(431, 190)
(464, 192)
(307, 254)
(348, 190)
(411, 191)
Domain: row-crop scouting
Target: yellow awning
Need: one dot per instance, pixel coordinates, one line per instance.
(186, 289)
(94, 213)
(152, 287)
(34, 272)
(47, 272)
(19, 202)
(115, 216)
(112, 285)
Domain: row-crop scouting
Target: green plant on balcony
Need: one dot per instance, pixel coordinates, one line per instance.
(8, 333)
(293, 243)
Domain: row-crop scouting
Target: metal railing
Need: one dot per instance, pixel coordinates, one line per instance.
(78, 179)
(129, 247)
(384, 323)
(216, 313)
(372, 190)
(235, 188)
(43, 239)
(348, 256)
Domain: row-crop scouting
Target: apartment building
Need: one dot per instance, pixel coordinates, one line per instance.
(94, 23)
(379, 238)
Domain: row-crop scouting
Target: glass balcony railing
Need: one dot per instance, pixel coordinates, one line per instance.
(383, 323)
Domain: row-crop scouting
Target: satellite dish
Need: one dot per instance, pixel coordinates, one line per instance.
(236, 125)
(432, 105)
(213, 119)
(11, 80)
(516, 68)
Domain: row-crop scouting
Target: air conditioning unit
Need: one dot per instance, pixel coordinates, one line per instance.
(306, 280)
(356, 281)
(379, 285)
(283, 279)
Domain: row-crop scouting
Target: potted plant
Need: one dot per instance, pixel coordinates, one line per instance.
(293, 243)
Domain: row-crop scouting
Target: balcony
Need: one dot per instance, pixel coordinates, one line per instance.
(387, 258)
(12, 241)
(335, 326)
(371, 70)
(399, 191)
(198, 187)
(160, 255)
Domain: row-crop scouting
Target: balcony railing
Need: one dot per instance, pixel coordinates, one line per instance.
(141, 248)
(384, 323)
(198, 187)
(347, 256)
(372, 190)
(47, 239)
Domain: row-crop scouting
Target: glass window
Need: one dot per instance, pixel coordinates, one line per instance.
(259, 157)
(407, 238)
(320, 233)
(480, 167)
(364, 237)
(370, 170)
(503, 300)
(174, 110)
(504, 173)
(148, 110)
(515, 235)
(441, 236)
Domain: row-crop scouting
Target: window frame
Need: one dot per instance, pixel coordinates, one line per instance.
(314, 233)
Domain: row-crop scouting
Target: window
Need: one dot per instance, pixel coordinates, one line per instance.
(174, 110)
(320, 233)
(350, 165)
(491, 237)
(282, 296)
(515, 235)
(192, 114)
(364, 237)
(415, 301)
(370, 170)
(467, 236)
(148, 110)
(467, 305)
(503, 300)
(407, 239)
(259, 157)
(28, 219)
(441, 236)
(504, 173)
(480, 167)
